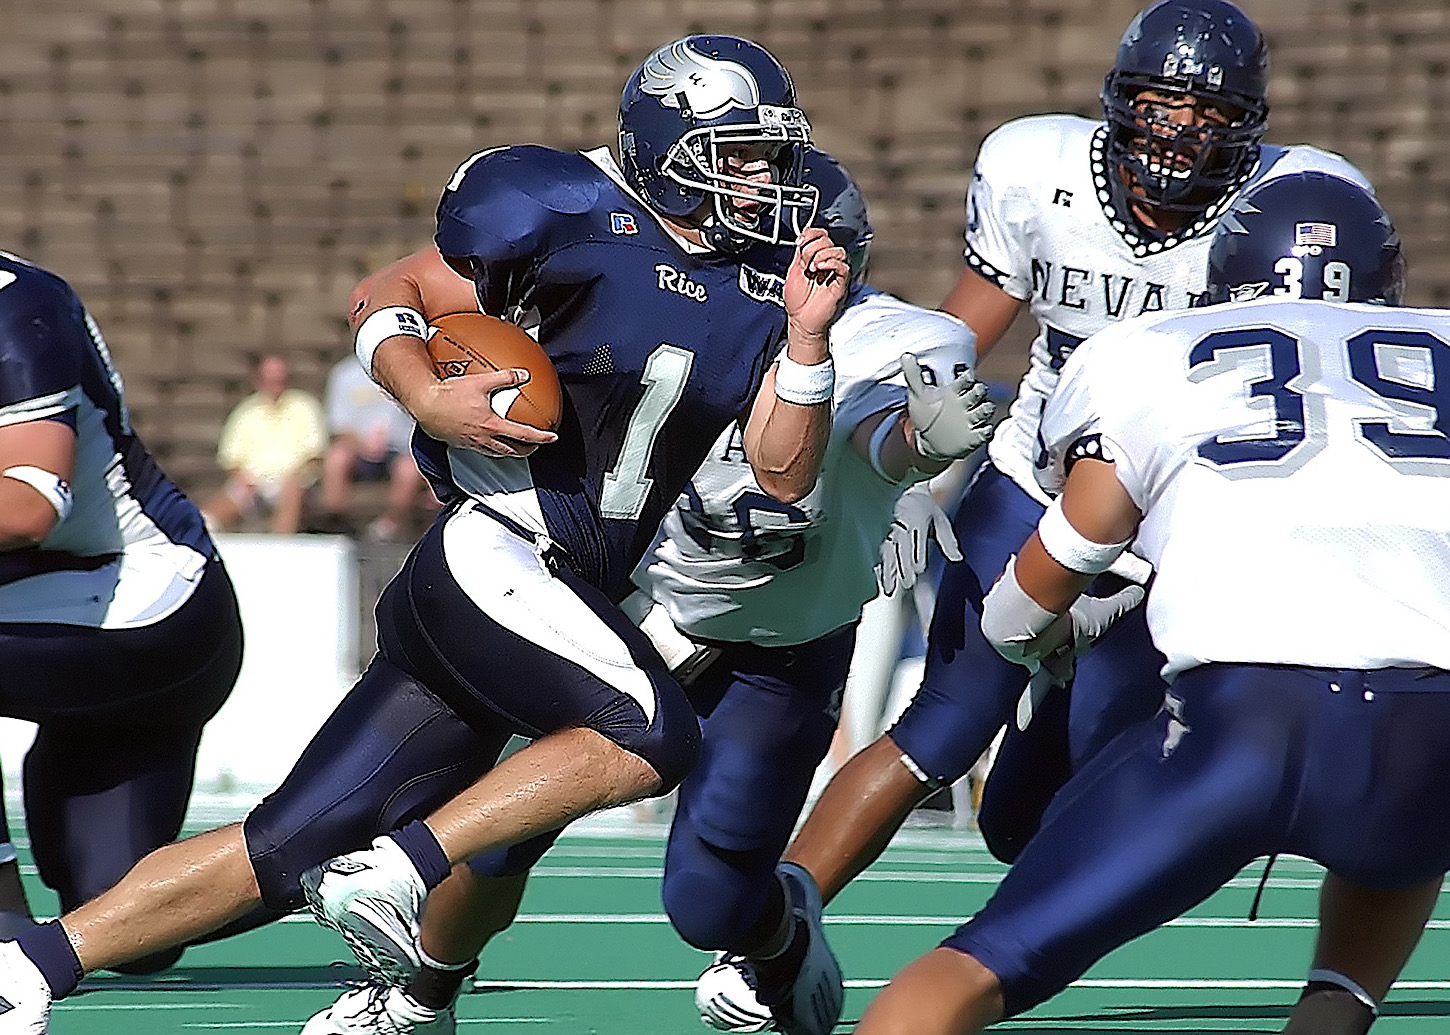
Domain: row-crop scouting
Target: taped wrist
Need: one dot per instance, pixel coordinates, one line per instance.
(384, 324)
(53, 487)
(1073, 550)
(1011, 619)
(804, 385)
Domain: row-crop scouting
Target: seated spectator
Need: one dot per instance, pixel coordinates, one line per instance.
(371, 440)
(270, 447)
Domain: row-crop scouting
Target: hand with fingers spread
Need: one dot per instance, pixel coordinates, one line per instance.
(950, 420)
(916, 520)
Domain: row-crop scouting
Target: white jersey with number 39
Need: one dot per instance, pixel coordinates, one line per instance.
(1292, 461)
(733, 564)
(1041, 225)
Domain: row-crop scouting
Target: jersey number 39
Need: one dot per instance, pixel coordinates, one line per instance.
(1408, 369)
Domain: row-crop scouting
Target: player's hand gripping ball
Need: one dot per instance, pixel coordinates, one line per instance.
(475, 343)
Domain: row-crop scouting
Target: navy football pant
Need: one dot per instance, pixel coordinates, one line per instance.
(768, 715)
(453, 681)
(120, 714)
(1116, 686)
(1351, 769)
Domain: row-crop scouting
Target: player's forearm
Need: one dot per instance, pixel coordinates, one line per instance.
(786, 442)
(425, 284)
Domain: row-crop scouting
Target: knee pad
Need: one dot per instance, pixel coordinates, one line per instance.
(713, 896)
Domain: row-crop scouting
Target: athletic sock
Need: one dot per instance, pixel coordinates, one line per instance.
(436, 984)
(421, 846)
(1327, 1009)
(776, 974)
(53, 955)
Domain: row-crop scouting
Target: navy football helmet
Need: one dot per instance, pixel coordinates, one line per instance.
(1306, 235)
(841, 209)
(1208, 49)
(684, 108)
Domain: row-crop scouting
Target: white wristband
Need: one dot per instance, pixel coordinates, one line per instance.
(384, 324)
(1070, 548)
(803, 385)
(53, 487)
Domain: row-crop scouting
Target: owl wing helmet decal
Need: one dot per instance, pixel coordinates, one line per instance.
(693, 82)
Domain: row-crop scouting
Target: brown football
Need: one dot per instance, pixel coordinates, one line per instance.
(475, 343)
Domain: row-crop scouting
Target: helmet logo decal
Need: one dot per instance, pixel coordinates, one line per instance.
(1188, 65)
(1247, 292)
(683, 78)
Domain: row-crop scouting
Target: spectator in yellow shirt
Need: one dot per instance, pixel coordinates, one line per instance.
(270, 448)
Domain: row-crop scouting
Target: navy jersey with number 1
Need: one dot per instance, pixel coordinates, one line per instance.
(658, 347)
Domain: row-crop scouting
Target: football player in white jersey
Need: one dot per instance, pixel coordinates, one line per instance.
(1285, 466)
(1085, 223)
(754, 605)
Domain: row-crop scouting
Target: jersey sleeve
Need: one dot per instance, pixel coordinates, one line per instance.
(868, 359)
(1099, 409)
(43, 338)
(998, 210)
(499, 212)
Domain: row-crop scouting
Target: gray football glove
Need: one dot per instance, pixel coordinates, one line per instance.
(950, 420)
(916, 520)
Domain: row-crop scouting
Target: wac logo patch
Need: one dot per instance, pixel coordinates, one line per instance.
(763, 287)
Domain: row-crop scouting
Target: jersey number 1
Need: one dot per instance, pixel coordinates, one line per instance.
(626, 486)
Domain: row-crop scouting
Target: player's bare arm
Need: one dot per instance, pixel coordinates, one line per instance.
(982, 306)
(36, 458)
(786, 441)
(457, 410)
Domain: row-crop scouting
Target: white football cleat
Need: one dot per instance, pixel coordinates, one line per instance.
(379, 1010)
(24, 994)
(725, 996)
(373, 898)
(813, 1004)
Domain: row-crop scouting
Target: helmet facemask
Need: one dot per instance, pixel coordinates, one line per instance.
(1175, 166)
(740, 209)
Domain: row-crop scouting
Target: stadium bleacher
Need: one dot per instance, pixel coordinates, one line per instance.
(214, 175)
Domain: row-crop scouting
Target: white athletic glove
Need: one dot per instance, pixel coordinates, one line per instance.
(1024, 632)
(916, 521)
(950, 420)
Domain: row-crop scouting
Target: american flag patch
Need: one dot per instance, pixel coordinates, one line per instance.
(1307, 235)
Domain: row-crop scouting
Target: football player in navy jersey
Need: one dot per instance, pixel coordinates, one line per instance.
(119, 630)
(661, 287)
(754, 604)
(1310, 718)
